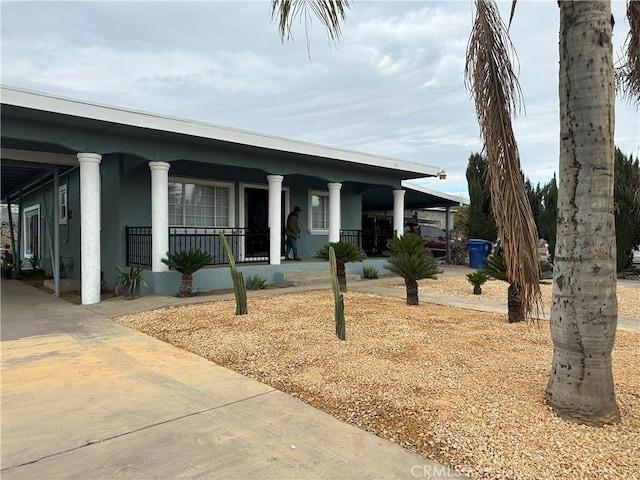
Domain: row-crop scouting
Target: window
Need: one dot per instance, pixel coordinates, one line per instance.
(32, 231)
(202, 204)
(62, 205)
(319, 212)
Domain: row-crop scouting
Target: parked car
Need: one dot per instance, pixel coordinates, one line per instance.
(434, 238)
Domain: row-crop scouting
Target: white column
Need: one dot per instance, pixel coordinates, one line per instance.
(335, 221)
(275, 218)
(159, 215)
(398, 212)
(90, 227)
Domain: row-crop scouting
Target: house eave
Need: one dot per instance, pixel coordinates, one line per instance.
(140, 119)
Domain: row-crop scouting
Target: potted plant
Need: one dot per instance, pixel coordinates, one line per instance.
(128, 281)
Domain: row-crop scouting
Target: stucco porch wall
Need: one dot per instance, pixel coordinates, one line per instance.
(217, 278)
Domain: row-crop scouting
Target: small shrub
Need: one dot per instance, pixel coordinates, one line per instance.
(370, 272)
(477, 279)
(35, 262)
(255, 282)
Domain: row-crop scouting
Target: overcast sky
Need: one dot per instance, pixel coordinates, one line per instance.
(392, 86)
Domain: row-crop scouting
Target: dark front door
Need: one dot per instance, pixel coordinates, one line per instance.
(256, 204)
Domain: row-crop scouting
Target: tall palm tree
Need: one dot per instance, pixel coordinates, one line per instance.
(584, 311)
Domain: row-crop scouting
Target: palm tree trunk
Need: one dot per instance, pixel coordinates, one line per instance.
(584, 310)
(514, 304)
(342, 278)
(187, 286)
(412, 291)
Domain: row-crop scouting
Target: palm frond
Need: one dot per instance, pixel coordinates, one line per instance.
(494, 85)
(628, 75)
(330, 13)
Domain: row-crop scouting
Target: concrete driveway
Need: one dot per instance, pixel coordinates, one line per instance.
(86, 398)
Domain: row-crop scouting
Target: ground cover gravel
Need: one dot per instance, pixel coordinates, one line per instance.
(496, 291)
(461, 387)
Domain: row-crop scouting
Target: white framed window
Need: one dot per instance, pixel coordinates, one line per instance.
(318, 212)
(63, 207)
(200, 203)
(32, 231)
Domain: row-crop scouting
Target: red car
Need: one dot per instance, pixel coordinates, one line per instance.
(434, 238)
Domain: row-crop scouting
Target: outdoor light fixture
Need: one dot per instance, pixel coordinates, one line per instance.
(442, 175)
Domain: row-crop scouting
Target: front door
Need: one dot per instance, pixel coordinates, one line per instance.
(256, 218)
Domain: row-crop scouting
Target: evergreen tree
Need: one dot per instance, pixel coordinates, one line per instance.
(549, 215)
(627, 214)
(481, 222)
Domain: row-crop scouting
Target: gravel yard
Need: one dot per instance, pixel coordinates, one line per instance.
(496, 291)
(462, 387)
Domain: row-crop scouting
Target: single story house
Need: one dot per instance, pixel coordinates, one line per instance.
(100, 186)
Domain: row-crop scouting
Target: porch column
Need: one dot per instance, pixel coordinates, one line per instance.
(447, 223)
(275, 218)
(398, 212)
(335, 221)
(159, 215)
(90, 227)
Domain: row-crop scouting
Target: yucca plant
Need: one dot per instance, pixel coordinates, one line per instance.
(187, 263)
(370, 272)
(345, 252)
(409, 258)
(255, 282)
(477, 279)
(128, 281)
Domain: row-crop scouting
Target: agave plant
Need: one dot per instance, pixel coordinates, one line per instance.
(409, 258)
(187, 263)
(345, 252)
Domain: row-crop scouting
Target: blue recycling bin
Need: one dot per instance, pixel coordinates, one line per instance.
(478, 252)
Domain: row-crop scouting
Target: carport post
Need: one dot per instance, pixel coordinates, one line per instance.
(447, 227)
(55, 217)
(14, 248)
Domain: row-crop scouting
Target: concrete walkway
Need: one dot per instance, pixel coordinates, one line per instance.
(86, 398)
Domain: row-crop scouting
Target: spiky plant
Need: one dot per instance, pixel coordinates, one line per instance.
(187, 262)
(341, 330)
(477, 279)
(239, 288)
(345, 252)
(370, 272)
(409, 258)
(255, 282)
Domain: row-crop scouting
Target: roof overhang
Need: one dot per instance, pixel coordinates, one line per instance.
(42, 102)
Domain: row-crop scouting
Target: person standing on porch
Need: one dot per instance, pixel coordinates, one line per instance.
(292, 231)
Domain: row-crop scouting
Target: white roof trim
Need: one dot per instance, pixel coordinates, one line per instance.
(435, 193)
(79, 108)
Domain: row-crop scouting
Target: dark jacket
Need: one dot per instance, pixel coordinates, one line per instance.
(292, 229)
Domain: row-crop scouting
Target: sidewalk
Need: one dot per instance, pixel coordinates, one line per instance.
(84, 397)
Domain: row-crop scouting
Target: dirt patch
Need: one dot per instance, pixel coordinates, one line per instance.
(462, 387)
